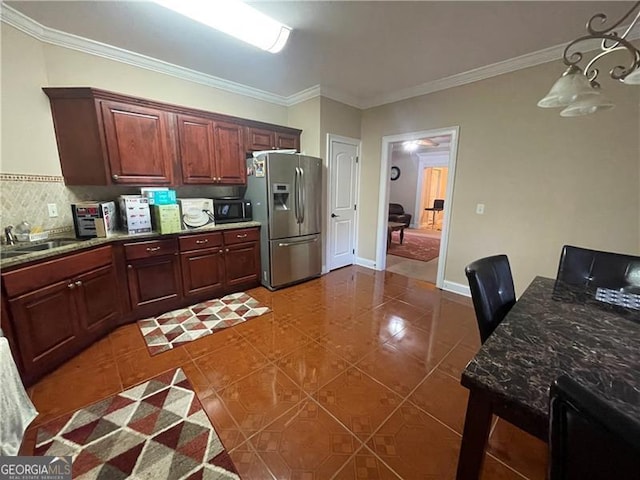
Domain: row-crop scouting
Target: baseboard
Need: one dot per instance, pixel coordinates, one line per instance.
(365, 262)
(458, 288)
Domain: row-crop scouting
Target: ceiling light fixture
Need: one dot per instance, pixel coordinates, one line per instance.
(413, 145)
(577, 89)
(234, 18)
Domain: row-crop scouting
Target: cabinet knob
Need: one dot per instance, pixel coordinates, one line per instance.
(129, 266)
(220, 251)
(78, 283)
(115, 177)
(227, 250)
(71, 286)
(202, 242)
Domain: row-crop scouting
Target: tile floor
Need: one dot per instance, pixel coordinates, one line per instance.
(352, 375)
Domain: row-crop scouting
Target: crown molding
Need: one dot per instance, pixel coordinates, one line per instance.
(52, 36)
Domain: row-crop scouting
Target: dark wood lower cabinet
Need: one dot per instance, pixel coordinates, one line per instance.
(203, 272)
(53, 309)
(52, 323)
(242, 263)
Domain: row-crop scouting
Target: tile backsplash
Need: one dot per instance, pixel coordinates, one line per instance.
(25, 198)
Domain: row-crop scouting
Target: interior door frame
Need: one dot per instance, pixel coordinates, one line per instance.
(331, 137)
(383, 205)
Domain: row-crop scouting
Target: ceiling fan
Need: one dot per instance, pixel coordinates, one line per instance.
(413, 145)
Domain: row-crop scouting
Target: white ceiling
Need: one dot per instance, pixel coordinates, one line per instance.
(365, 52)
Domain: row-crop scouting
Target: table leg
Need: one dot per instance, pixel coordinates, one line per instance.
(477, 425)
(401, 235)
(388, 238)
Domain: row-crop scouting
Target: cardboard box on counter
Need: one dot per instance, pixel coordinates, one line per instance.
(166, 218)
(159, 195)
(94, 219)
(135, 216)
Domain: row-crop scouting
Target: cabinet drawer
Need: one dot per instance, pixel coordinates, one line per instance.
(152, 248)
(45, 273)
(203, 240)
(241, 236)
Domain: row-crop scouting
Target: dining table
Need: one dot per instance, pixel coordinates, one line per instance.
(591, 334)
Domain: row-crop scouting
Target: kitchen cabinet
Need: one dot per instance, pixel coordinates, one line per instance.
(58, 307)
(153, 273)
(137, 141)
(271, 139)
(202, 261)
(211, 151)
(104, 139)
(242, 257)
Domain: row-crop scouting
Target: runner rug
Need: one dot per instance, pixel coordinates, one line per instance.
(187, 324)
(156, 430)
(416, 246)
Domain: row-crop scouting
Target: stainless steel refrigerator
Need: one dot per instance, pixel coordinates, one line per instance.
(286, 191)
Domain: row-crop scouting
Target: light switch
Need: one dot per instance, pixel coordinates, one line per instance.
(480, 208)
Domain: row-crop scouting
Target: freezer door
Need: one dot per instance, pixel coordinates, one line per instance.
(295, 259)
(282, 182)
(310, 195)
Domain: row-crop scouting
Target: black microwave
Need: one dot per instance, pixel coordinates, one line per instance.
(231, 210)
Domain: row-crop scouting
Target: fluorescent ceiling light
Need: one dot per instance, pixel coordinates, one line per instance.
(234, 18)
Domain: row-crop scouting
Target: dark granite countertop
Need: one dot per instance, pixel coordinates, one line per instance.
(116, 237)
(554, 329)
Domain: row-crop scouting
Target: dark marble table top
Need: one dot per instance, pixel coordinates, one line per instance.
(553, 329)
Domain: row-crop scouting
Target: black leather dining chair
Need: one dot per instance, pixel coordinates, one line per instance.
(588, 437)
(492, 291)
(595, 268)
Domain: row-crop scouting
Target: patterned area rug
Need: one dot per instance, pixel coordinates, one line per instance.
(156, 430)
(187, 324)
(416, 246)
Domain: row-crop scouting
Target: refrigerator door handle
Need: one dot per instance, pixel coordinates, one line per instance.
(302, 196)
(291, 244)
(296, 186)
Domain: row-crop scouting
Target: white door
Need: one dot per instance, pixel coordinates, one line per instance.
(342, 202)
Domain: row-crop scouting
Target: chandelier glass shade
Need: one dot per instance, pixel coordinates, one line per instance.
(577, 89)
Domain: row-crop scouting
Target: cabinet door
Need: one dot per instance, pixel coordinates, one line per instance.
(288, 141)
(260, 139)
(45, 322)
(98, 301)
(202, 272)
(154, 283)
(197, 155)
(230, 156)
(242, 263)
(137, 140)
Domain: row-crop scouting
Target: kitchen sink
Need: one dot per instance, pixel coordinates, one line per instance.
(11, 254)
(59, 242)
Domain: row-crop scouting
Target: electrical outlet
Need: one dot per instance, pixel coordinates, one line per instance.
(480, 208)
(53, 210)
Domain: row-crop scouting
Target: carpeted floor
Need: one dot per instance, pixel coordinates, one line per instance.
(184, 325)
(416, 246)
(156, 430)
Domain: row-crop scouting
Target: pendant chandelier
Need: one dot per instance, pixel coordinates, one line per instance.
(577, 90)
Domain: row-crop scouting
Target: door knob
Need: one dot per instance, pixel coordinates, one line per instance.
(333, 215)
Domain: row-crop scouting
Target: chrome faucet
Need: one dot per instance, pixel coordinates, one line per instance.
(10, 236)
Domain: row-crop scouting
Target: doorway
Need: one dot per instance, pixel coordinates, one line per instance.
(429, 160)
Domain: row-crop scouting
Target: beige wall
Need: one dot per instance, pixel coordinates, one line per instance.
(28, 141)
(338, 119)
(545, 180)
(306, 115)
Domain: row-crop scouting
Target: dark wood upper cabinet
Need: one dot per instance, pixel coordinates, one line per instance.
(107, 138)
(197, 151)
(230, 155)
(271, 139)
(137, 140)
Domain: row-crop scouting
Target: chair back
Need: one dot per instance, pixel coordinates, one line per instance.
(492, 291)
(396, 209)
(438, 204)
(588, 437)
(594, 268)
